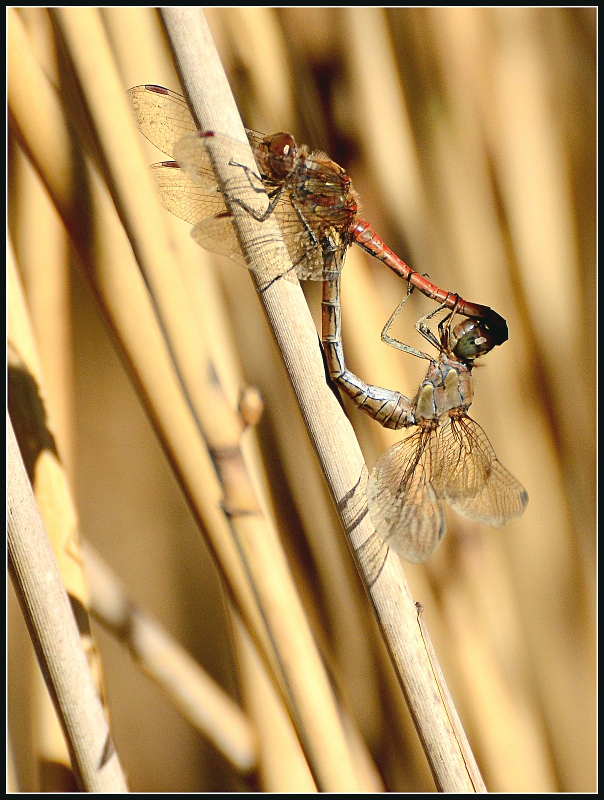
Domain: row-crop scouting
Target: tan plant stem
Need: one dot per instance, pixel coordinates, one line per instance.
(211, 100)
(55, 635)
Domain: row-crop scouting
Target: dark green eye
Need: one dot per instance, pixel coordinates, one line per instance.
(471, 340)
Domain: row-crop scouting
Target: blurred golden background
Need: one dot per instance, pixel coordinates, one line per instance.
(469, 135)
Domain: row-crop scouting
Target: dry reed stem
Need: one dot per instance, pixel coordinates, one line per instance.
(522, 101)
(202, 701)
(35, 433)
(199, 698)
(463, 81)
(134, 316)
(170, 416)
(511, 612)
(345, 605)
(46, 286)
(282, 766)
(34, 430)
(390, 130)
(12, 778)
(338, 451)
(302, 679)
(55, 636)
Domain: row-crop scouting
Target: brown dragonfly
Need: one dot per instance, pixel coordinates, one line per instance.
(310, 196)
(448, 458)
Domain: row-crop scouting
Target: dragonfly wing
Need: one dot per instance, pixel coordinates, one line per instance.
(218, 235)
(306, 232)
(204, 206)
(464, 462)
(206, 210)
(303, 247)
(161, 115)
(194, 159)
(193, 194)
(403, 502)
(305, 254)
(472, 479)
(245, 187)
(183, 198)
(310, 267)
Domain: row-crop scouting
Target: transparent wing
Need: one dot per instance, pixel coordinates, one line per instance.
(206, 209)
(472, 479)
(302, 230)
(303, 248)
(161, 115)
(194, 155)
(218, 235)
(464, 462)
(185, 199)
(403, 502)
(191, 192)
(203, 207)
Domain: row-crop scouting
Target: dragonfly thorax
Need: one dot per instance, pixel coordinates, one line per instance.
(447, 385)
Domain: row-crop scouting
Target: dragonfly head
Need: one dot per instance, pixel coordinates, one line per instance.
(279, 155)
(497, 327)
(470, 340)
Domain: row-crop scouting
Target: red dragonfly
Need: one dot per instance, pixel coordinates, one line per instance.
(311, 197)
(448, 458)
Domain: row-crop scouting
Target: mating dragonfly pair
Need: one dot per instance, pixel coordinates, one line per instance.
(448, 458)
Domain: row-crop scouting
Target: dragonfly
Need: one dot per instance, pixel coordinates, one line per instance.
(310, 196)
(448, 458)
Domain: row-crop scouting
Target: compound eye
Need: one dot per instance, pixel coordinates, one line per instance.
(281, 152)
(471, 340)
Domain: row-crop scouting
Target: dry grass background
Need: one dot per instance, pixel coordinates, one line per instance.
(470, 137)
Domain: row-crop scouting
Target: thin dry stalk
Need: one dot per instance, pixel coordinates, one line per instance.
(34, 430)
(337, 448)
(282, 766)
(12, 778)
(55, 636)
(45, 276)
(452, 123)
(127, 302)
(496, 141)
(199, 698)
(303, 678)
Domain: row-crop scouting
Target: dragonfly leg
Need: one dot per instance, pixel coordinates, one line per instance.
(444, 328)
(255, 181)
(391, 409)
(252, 211)
(395, 342)
(273, 196)
(303, 221)
(422, 327)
